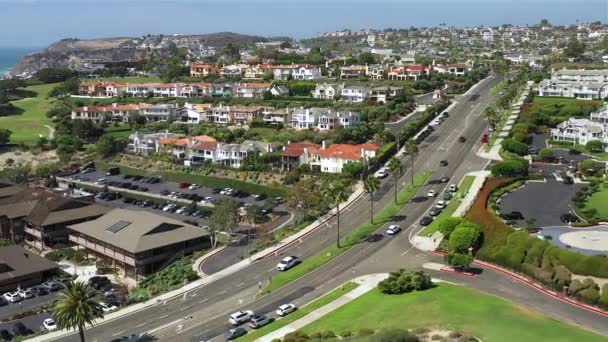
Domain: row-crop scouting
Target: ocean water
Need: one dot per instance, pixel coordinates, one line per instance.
(10, 56)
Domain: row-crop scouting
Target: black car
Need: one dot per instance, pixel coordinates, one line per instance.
(40, 290)
(164, 192)
(5, 335)
(462, 139)
(128, 200)
(216, 190)
(425, 221)
(154, 180)
(574, 152)
(127, 176)
(138, 177)
(568, 180)
(514, 215)
(568, 218)
(143, 189)
(3, 302)
(443, 163)
(19, 329)
(234, 333)
(133, 187)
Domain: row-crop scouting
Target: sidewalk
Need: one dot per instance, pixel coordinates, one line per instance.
(467, 201)
(493, 154)
(366, 283)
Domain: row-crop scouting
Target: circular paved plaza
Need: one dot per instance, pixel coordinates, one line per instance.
(586, 239)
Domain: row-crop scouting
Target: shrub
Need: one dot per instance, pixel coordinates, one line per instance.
(516, 147)
(546, 154)
(575, 287)
(297, 336)
(346, 333)
(603, 301)
(589, 295)
(395, 335)
(365, 332)
(463, 237)
(405, 281)
(447, 224)
(562, 277)
(328, 334)
(515, 167)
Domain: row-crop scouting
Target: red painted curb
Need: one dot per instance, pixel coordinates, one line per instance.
(449, 270)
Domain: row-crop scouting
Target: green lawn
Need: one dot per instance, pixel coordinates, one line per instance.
(463, 188)
(555, 100)
(326, 255)
(450, 307)
(599, 202)
(28, 126)
(301, 312)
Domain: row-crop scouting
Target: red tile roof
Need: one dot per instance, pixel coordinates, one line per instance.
(346, 151)
(297, 149)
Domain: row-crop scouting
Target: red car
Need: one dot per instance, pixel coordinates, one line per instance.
(184, 185)
(484, 139)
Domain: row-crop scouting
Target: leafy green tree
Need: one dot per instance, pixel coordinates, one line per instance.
(224, 219)
(411, 148)
(232, 51)
(546, 154)
(76, 307)
(395, 167)
(109, 145)
(447, 225)
(371, 185)
(5, 136)
(594, 146)
(460, 260)
(353, 169)
(516, 147)
(305, 196)
(463, 237)
(574, 49)
(335, 192)
(54, 75)
(366, 58)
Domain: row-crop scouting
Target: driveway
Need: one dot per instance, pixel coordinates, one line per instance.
(542, 201)
(556, 231)
(32, 323)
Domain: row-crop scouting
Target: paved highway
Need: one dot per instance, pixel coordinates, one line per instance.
(202, 313)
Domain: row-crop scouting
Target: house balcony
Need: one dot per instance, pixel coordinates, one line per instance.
(109, 252)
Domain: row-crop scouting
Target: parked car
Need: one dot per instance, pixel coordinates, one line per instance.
(434, 212)
(106, 307)
(453, 187)
(425, 221)
(101, 181)
(514, 215)
(568, 180)
(40, 290)
(286, 309)
(287, 263)
(441, 204)
(49, 324)
(532, 149)
(484, 139)
(382, 173)
(462, 139)
(278, 200)
(447, 196)
(5, 335)
(113, 171)
(393, 229)
(234, 333)
(443, 163)
(53, 286)
(258, 197)
(444, 179)
(568, 218)
(240, 317)
(184, 185)
(26, 293)
(574, 152)
(12, 297)
(19, 329)
(258, 321)
(431, 193)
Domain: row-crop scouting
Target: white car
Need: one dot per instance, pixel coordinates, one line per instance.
(25, 294)
(393, 229)
(287, 263)
(194, 186)
(286, 309)
(49, 324)
(226, 191)
(106, 307)
(240, 317)
(453, 187)
(440, 204)
(169, 207)
(12, 297)
(381, 173)
(181, 210)
(101, 181)
(431, 193)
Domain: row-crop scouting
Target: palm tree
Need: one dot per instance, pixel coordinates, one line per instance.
(411, 148)
(396, 169)
(371, 184)
(335, 192)
(77, 306)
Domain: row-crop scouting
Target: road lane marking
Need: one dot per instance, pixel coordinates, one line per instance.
(221, 293)
(141, 325)
(204, 300)
(406, 251)
(119, 333)
(241, 284)
(164, 316)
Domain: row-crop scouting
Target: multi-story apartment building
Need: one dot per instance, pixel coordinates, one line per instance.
(327, 91)
(159, 112)
(146, 144)
(355, 93)
(582, 131)
(581, 84)
(306, 72)
(251, 90)
(276, 117)
(383, 94)
(114, 112)
(203, 70)
(409, 72)
(351, 72)
(326, 159)
(323, 119)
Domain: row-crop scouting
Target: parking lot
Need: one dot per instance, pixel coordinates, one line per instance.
(11, 309)
(543, 202)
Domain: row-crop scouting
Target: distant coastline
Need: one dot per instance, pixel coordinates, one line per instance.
(9, 56)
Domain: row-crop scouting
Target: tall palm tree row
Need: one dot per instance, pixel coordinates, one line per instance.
(76, 306)
(335, 192)
(411, 148)
(371, 185)
(395, 167)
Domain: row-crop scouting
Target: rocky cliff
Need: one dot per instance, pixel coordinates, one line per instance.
(73, 53)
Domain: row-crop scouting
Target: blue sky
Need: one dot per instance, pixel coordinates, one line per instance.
(39, 22)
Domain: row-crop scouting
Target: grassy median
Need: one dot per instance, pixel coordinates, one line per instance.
(449, 307)
(301, 312)
(463, 189)
(331, 252)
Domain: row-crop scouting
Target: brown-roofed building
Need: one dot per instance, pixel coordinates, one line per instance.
(203, 70)
(22, 268)
(296, 154)
(138, 242)
(40, 216)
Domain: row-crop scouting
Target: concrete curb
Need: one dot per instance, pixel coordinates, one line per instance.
(198, 262)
